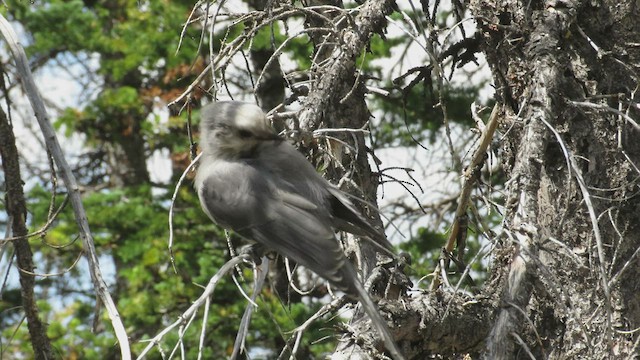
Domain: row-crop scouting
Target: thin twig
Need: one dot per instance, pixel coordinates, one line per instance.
(591, 105)
(173, 201)
(260, 274)
(208, 290)
(48, 275)
(43, 229)
(575, 169)
(325, 309)
(470, 176)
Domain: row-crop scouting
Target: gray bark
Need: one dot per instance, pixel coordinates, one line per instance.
(17, 211)
(569, 262)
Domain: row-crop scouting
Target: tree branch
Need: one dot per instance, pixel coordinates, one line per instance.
(69, 180)
(471, 175)
(353, 40)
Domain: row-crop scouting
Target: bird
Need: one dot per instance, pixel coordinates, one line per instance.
(252, 181)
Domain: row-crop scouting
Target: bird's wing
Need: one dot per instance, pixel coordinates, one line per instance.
(227, 195)
(305, 236)
(257, 206)
(347, 218)
(303, 179)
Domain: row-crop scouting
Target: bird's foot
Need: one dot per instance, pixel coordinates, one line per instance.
(254, 251)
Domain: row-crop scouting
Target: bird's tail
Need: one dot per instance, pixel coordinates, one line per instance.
(371, 309)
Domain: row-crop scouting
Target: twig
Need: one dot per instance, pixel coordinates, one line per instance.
(591, 105)
(338, 130)
(470, 176)
(243, 330)
(625, 267)
(575, 169)
(203, 331)
(325, 309)
(48, 275)
(16, 207)
(287, 265)
(208, 290)
(173, 201)
(278, 51)
(523, 344)
(43, 229)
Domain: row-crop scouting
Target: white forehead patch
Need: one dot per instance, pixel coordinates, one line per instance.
(249, 116)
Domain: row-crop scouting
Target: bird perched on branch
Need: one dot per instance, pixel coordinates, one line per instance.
(253, 182)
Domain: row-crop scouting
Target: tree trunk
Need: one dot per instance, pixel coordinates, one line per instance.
(565, 73)
(17, 212)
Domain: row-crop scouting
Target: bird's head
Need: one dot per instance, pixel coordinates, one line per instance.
(233, 129)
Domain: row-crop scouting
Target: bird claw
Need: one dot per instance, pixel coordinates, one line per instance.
(254, 251)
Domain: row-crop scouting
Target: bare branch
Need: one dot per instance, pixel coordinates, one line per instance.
(191, 311)
(51, 140)
(260, 274)
(591, 105)
(470, 177)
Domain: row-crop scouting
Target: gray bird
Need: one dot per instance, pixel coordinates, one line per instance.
(251, 181)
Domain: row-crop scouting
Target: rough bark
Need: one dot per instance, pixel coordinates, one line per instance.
(435, 324)
(17, 212)
(336, 100)
(569, 260)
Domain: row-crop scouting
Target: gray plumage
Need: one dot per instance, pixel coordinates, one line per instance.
(251, 181)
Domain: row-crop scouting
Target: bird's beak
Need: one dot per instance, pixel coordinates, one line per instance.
(267, 136)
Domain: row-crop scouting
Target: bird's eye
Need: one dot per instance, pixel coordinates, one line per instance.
(222, 127)
(244, 134)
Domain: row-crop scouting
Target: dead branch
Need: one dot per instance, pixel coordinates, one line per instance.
(54, 148)
(185, 319)
(470, 176)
